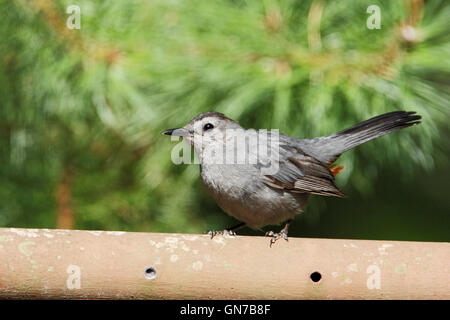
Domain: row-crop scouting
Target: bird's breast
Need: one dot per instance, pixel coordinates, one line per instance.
(240, 191)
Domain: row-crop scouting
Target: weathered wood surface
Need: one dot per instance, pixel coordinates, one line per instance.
(63, 264)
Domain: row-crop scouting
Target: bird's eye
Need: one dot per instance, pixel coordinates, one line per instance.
(207, 126)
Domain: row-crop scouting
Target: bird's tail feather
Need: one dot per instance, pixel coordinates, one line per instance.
(375, 127)
(329, 148)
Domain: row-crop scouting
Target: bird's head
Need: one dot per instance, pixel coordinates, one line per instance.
(205, 131)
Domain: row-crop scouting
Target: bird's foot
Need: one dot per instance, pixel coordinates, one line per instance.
(275, 236)
(224, 233)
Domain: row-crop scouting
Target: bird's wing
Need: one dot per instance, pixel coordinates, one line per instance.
(300, 172)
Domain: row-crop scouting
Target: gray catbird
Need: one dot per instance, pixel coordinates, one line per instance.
(258, 197)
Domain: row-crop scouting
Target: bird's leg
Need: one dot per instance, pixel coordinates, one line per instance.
(282, 234)
(227, 232)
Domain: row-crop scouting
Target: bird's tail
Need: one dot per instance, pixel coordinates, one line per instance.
(328, 149)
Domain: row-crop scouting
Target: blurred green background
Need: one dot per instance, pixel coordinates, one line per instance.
(82, 111)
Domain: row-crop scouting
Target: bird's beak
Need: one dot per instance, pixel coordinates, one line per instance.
(179, 132)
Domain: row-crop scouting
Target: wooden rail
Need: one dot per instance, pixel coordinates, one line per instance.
(63, 264)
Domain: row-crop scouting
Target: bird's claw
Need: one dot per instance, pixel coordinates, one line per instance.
(224, 233)
(275, 236)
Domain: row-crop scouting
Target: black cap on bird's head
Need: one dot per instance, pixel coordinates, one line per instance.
(202, 123)
(205, 130)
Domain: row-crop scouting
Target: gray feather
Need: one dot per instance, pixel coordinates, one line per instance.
(328, 149)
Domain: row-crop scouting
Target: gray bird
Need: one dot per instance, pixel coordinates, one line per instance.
(257, 196)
